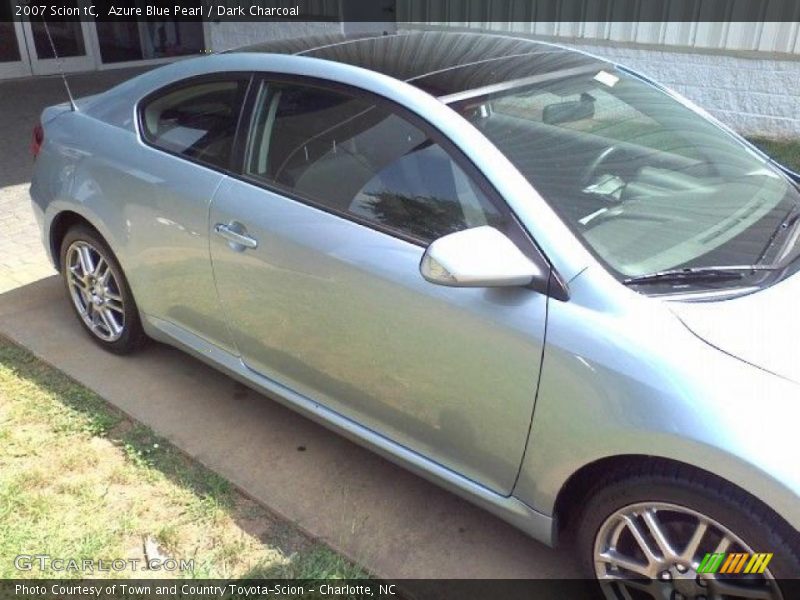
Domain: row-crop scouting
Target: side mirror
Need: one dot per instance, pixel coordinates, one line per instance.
(478, 257)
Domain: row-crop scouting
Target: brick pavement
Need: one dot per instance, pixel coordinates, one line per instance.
(22, 257)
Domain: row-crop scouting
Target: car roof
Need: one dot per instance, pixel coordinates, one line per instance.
(444, 64)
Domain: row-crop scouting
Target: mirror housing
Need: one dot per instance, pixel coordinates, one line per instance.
(478, 257)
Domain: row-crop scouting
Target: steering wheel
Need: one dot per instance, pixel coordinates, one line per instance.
(599, 160)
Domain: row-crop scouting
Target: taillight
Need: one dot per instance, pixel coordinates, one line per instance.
(37, 139)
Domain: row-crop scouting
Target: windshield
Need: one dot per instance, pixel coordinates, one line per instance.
(648, 184)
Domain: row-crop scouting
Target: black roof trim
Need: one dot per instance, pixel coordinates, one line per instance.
(438, 62)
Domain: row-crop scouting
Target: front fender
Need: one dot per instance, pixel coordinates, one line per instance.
(630, 379)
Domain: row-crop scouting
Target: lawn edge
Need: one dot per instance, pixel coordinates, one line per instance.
(278, 515)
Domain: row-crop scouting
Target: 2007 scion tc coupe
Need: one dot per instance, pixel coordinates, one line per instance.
(528, 274)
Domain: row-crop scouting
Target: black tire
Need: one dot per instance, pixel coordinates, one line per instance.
(132, 336)
(663, 482)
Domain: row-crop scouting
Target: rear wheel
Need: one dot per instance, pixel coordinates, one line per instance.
(99, 291)
(647, 535)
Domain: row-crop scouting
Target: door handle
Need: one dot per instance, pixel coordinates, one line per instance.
(240, 238)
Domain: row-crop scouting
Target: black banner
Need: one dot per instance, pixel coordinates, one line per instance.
(267, 589)
(340, 589)
(279, 589)
(402, 11)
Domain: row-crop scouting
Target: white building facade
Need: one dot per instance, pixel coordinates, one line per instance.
(746, 73)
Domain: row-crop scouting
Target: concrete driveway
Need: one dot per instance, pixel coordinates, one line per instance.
(394, 523)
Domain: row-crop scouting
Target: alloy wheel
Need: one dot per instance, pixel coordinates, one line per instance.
(654, 550)
(95, 291)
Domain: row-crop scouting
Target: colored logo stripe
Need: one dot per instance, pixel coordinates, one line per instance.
(711, 563)
(758, 563)
(734, 563)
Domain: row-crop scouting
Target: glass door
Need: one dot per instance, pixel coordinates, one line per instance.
(27, 49)
(69, 39)
(13, 56)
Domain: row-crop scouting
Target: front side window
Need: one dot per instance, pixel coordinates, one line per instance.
(355, 157)
(647, 183)
(197, 121)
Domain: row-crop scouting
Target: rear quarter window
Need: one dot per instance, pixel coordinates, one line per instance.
(197, 121)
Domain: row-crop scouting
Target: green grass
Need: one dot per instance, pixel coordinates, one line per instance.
(786, 152)
(79, 479)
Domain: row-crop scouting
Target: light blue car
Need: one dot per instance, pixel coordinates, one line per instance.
(526, 273)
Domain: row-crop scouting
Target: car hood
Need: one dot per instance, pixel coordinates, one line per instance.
(762, 328)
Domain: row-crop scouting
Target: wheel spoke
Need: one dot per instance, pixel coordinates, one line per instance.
(84, 305)
(723, 545)
(657, 532)
(624, 591)
(626, 595)
(101, 270)
(694, 543)
(85, 258)
(642, 542)
(115, 306)
(109, 322)
(87, 301)
(615, 559)
(94, 313)
(77, 281)
(76, 264)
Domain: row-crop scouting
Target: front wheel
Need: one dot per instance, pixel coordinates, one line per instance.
(99, 291)
(676, 534)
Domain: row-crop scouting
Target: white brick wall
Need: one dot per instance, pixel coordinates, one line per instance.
(745, 74)
(754, 96)
(757, 95)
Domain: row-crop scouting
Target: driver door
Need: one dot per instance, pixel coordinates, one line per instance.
(316, 251)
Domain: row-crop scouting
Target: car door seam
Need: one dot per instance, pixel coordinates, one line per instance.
(220, 303)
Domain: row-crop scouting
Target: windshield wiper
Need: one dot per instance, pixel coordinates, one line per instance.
(784, 229)
(697, 274)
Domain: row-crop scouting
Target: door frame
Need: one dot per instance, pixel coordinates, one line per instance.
(29, 64)
(21, 67)
(50, 66)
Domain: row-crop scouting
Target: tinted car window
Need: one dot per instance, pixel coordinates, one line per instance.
(597, 112)
(646, 182)
(196, 121)
(355, 157)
